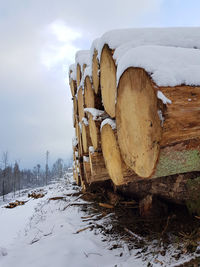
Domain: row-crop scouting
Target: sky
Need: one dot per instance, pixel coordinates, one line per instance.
(38, 42)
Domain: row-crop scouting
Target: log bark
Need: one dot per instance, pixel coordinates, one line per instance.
(98, 168)
(95, 72)
(108, 80)
(80, 104)
(118, 171)
(86, 138)
(174, 188)
(92, 100)
(153, 146)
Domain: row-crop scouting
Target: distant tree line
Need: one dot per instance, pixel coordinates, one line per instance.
(13, 179)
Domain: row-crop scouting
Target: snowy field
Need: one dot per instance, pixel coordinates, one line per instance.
(45, 233)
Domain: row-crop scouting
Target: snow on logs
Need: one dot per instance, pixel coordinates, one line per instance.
(114, 44)
(82, 61)
(148, 81)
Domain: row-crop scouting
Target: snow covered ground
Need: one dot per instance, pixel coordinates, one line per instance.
(43, 233)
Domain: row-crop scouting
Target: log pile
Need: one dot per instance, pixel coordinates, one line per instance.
(131, 126)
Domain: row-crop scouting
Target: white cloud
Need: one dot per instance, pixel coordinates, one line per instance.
(35, 103)
(59, 48)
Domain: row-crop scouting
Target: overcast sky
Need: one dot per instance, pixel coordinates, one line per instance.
(38, 41)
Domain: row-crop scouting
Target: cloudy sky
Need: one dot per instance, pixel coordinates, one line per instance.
(38, 41)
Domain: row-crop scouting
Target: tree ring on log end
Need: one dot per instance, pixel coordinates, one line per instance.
(138, 123)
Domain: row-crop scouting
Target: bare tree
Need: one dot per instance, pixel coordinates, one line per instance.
(38, 173)
(16, 177)
(47, 167)
(5, 163)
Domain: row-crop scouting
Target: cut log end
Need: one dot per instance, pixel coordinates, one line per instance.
(138, 137)
(78, 74)
(89, 94)
(94, 128)
(73, 87)
(95, 72)
(80, 104)
(111, 155)
(108, 81)
(86, 138)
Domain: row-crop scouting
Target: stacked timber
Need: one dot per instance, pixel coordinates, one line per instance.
(136, 104)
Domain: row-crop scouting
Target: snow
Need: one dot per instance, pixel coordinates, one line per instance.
(162, 119)
(87, 72)
(75, 141)
(162, 97)
(187, 37)
(76, 154)
(91, 149)
(72, 72)
(85, 159)
(82, 57)
(94, 112)
(43, 233)
(94, 47)
(85, 121)
(109, 121)
(80, 126)
(167, 66)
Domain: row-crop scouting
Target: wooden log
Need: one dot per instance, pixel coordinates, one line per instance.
(86, 136)
(118, 171)
(108, 80)
(94, 127)
(176, 188)
(79, 137)
(95, 72)
(80, 146)
(73, 87)
(87, 170)
(98, 168)
(77, 129)
(157, 139)
(78, 75)
(75, 111)
(80, 104)
(81, 169)
(76, 175)
(92, 100)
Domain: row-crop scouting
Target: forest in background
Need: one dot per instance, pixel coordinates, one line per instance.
(14, 179)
